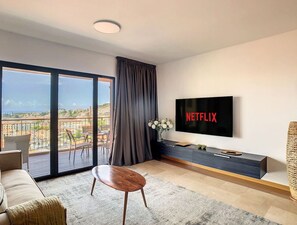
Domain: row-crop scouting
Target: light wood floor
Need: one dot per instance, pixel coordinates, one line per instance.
(276, 208)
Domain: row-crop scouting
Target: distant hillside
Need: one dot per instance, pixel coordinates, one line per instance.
(104, 110)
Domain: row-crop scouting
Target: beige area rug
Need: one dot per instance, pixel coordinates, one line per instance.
(168, 204)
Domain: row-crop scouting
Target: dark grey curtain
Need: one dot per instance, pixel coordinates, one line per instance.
(136, 104)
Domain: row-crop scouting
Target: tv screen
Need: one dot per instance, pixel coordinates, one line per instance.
(212, 116)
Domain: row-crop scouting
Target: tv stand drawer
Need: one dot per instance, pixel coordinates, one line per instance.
(177, 152)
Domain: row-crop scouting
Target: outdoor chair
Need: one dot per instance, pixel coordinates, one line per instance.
(21, 142)
(87, 131)
(75, 145)
(104, 141)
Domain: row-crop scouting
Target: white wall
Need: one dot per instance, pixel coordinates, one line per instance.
(262, 77)
(23, 49)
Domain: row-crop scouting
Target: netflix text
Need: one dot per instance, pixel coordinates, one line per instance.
(201, 116)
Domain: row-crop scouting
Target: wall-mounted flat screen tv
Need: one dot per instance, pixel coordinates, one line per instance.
(213, 116)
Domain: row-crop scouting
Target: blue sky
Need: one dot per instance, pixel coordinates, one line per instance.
(30, 92)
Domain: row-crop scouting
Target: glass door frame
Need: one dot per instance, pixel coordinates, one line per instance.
(94, 117)
(54, 73)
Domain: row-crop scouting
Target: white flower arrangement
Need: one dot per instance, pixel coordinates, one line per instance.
(164, 124)
(160, 126)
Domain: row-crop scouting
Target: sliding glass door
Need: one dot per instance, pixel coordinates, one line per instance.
(60, 120)
(75, 122)
(25, 123)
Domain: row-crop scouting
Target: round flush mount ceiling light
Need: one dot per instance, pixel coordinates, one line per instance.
(107, 26)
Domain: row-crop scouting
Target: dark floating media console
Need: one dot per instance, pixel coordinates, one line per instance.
(246, 164)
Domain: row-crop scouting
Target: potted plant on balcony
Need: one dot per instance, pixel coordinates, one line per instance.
(160, 126)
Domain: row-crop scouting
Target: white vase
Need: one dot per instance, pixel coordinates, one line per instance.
(159, 137)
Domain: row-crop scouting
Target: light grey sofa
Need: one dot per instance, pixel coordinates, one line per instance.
(19, 186)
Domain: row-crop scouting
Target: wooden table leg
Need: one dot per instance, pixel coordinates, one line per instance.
(94, 182)
(125, 207)
(142, 192)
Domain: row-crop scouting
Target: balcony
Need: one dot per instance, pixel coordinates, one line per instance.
(39, 152)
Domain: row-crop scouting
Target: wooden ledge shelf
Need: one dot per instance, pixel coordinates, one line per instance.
(259, 184)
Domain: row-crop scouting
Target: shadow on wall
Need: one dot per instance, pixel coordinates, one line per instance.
(236, 117)
(274, 165)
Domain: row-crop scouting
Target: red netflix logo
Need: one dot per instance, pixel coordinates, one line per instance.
(201, 116)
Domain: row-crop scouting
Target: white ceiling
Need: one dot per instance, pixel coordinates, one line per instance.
(153, 31)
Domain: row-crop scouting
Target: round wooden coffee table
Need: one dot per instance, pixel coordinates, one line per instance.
(121, 179)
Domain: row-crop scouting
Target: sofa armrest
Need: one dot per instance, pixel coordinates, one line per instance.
(10, 160)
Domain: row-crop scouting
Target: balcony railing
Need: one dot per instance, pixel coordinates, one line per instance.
(39, 128)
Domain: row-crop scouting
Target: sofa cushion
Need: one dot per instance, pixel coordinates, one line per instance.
(3, 199)
(19, 187)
